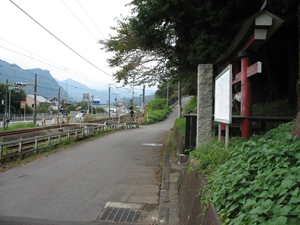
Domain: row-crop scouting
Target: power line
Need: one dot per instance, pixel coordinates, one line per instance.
(59, 39)
(79, 20)
(41, 62)
(91, 18)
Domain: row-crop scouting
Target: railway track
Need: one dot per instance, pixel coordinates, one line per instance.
(30, 130)
(36, 129)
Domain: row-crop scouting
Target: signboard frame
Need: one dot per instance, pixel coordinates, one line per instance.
(223, 96)
(22, 104)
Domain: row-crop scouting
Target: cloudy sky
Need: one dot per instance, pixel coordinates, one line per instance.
(79, 24)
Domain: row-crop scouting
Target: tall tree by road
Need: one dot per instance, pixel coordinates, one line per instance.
(168, 39)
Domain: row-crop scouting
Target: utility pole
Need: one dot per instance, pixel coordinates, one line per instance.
(4, 118)
(88, 112)
(66, 90)
(168, 93)
(92, 104)
(108, 102)
(144, 98)
(116, 105)
(58, 100)
(179, 99)
(35, 84)
(10, 93)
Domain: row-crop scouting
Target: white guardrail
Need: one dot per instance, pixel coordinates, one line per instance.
(51, 139)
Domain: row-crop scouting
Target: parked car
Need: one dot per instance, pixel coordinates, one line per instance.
(80, 115)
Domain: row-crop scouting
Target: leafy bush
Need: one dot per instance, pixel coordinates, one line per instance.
(192, 104)
(158, 110)
(259, 183)
(180, 123)
(159, 103)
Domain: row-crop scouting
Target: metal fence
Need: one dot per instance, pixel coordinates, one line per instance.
(8, 149)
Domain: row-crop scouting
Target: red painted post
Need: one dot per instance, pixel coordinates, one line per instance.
(246, 95)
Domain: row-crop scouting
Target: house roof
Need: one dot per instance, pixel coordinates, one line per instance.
(38, 98)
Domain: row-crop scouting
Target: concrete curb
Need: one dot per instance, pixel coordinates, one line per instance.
(168, 203)
(163, 213)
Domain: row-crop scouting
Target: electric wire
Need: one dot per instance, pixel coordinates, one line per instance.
(41, 62)
(60, 40)
(91, 18)
(79, 21)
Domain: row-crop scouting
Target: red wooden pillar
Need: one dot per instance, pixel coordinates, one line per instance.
(246, 95)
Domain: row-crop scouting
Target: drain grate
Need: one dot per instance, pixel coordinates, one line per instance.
(122, 215)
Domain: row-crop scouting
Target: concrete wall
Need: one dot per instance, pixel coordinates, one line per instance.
(191, 211)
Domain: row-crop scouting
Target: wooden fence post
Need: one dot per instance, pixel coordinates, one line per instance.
(36, 144)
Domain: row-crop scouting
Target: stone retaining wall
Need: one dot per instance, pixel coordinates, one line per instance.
(191, 211)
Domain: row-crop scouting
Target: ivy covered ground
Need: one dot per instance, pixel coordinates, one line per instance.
(254, 181)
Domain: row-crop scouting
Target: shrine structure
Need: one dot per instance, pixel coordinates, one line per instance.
(255, 31)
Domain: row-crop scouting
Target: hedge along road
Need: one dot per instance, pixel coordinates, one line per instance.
(75, 184)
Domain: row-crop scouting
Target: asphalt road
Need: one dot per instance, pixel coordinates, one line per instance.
(75, 184)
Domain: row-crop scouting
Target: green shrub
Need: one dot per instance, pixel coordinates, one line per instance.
(158, 111)
(192, 104)
(180, 123)
(260, 181)
(159, 103)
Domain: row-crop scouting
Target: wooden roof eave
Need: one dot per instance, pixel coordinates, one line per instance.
(255, 31)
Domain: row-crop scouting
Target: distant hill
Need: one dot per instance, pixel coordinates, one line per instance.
(47, 86)
(77, 89)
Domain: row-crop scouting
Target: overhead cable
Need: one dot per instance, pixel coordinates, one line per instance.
(79, 20)
(60, 40)
(91, 19)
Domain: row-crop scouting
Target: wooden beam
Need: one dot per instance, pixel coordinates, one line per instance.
(251, 70)
(254, 69)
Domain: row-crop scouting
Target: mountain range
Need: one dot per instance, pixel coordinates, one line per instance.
(48, 87)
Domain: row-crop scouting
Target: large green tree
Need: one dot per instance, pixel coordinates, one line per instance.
(168, 39)
(16, 98)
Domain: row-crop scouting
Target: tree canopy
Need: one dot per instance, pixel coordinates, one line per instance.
(16, 97)
(168, 39)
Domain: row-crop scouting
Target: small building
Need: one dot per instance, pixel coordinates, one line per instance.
(39, 99)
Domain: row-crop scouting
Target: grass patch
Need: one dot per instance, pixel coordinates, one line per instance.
(21, 126)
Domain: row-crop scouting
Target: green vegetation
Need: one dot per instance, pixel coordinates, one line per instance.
(254, 181)
(278, 108)
(191, 105)
(21, 126)
(158, 111)
(180, 122)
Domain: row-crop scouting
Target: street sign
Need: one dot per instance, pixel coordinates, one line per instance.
(85, 96)
(23, 104)
(146, 107)
(96, 100)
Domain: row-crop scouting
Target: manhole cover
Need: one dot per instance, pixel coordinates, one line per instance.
(122, 215)
(123, 212)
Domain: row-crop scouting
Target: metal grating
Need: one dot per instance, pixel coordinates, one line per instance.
(122, 215)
